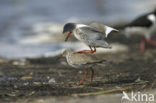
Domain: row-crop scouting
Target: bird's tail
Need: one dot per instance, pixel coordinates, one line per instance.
(109, 29)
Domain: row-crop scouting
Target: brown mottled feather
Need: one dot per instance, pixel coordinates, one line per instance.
(83, 58)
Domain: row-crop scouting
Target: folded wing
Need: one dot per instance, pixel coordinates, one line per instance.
(102, 28)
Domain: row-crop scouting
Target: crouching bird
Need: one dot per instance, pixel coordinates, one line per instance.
(93, 34)
(82, 60)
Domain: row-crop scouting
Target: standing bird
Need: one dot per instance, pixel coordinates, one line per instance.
(93, 35)
(83, 60)
(144, 25)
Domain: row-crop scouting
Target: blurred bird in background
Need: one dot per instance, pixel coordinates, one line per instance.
(144, 25)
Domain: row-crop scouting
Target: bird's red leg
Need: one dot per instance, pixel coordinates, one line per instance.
(86, 51)
(92, 76)
(91, 50)
(83, 51)
(68, 36)
(151, 42)
(142, 44)
(85, 75)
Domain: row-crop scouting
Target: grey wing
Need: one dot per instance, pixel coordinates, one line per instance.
(102, 43)
(105, 30)
(91, 33)
(98, 26)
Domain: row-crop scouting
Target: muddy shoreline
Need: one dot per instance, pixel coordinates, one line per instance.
(26, 79)
(42, 77)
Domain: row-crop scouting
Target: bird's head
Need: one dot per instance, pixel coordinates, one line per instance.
(68, 29)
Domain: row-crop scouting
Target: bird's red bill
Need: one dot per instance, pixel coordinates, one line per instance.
(67, 36)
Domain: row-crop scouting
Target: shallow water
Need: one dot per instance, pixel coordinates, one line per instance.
(22, 19)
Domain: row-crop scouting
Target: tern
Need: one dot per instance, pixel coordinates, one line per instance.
(93, 34)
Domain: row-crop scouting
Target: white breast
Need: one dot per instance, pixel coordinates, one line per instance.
(136, 31)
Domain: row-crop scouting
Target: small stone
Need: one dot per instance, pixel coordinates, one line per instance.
(36, 83)
(51, 81)
(80, 72)
(26, 78)
(138, 80)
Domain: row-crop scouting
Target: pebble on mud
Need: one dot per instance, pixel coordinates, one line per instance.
(52, 81)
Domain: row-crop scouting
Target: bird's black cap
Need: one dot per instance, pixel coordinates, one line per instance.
(69, 27)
